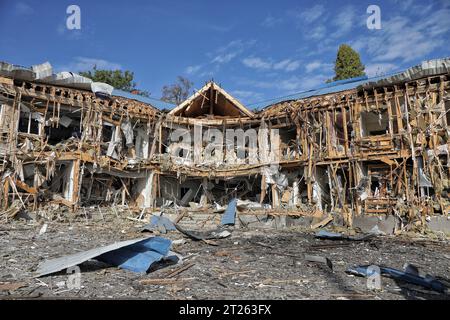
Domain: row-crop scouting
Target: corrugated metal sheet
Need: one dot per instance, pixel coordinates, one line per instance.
(43, 73)
(426, 68)
(229, 216)
(140, 256)
(136, 255)
(332, 87)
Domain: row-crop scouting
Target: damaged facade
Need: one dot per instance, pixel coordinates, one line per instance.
(353, 148)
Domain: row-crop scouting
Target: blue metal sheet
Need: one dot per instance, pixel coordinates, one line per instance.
(230, 213)
(328, 88)
(323, 234)
(162, 221)
(140, 256)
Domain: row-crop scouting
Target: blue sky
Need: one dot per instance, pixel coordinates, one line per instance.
(256, 50)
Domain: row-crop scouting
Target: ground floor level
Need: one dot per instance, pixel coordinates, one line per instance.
(252, 263)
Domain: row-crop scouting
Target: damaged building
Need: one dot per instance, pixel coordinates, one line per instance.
(356, 147)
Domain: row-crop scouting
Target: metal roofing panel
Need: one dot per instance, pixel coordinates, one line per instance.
(332, 87)
(426, 68)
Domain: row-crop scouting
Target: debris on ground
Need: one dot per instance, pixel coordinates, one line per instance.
(229, 216)
(249, 268)
(322, 223)
(218, 233)
(136, 255)
(409, 275)
(319, 259)
(323, 234)
(160, 223)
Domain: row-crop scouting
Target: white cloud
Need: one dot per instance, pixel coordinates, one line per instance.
(378, 69)
(218, 57)
(247, 95)
(270, 21)
(406, 39)
(287, 65)
(404, 5)
(261, 64)
(84, 63)
(344, 21)
(231, 50)
(298, 84)
(317, 65)
(316, 33)
(193, 69)
(224, 58)
(257, 63)
(292, 84)
(207, 74)
(312, 14)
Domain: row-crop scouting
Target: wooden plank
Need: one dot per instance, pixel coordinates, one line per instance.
(24, 186)
(322, 223)
(6, 81)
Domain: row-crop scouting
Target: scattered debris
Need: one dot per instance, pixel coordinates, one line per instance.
(179, 270)
(164, 281)
(323, 234)
(70, 145)
(136, 255)
(322, 223)
(229, 216)
(328, 245)
(179, 241)
(319, 259)
(410, 275)
(250, 263)
(160, 223)
(43, 229)
(218, 233)
(376, 231)
(8, 286)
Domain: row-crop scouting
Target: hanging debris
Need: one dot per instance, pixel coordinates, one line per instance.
(348, 150)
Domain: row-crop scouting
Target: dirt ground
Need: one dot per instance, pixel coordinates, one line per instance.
(251, 264)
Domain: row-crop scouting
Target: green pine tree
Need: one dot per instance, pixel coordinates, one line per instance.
(348, 64)
(122, 80)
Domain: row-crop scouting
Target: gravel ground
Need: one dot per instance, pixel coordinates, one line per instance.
(251, 264)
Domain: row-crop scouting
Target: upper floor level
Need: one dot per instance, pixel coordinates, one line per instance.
(367, 119)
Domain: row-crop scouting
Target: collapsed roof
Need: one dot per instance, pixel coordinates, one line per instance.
(212, 100)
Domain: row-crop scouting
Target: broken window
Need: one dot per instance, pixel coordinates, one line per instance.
(142, 143)
(320, 189)
(65, 127)
(28, 122)
(339, 132)
(288, 143)
(374, 124)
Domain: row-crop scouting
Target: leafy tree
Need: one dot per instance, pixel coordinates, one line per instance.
(177, 92)
(122, 80)
(348, 64)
